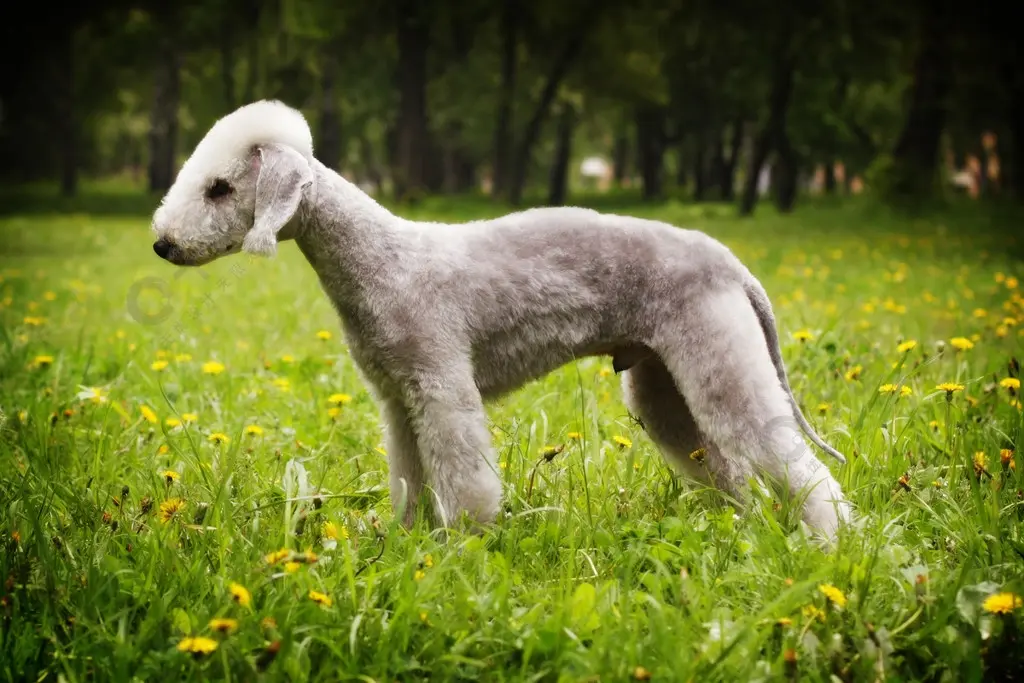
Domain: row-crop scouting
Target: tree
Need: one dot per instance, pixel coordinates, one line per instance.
(915, 157)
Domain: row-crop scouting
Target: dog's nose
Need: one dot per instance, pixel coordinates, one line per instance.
(162, 248)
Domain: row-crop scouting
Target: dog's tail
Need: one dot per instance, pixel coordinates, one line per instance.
(763, 308)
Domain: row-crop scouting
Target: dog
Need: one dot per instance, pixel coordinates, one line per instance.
(440, 318)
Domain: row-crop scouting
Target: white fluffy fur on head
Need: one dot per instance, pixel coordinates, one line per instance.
(262, 122)
(250, 169)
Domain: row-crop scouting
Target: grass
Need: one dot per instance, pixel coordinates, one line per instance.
(603, 566)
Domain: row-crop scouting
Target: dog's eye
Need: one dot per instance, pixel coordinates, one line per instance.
(220, 188)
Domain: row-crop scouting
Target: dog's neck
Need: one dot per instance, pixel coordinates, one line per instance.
(346, 236)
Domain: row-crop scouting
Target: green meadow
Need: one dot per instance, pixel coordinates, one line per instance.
(193, 484)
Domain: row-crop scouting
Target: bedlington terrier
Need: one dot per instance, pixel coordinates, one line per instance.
(440, 318)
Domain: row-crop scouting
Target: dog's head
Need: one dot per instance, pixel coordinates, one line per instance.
(241, 187)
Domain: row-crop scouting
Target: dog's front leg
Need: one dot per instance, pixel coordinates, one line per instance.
(451, 431)
(405, 467)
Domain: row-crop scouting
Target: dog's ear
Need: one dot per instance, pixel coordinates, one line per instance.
(283, 175)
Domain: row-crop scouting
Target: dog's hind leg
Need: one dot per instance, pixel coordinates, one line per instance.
(651, 394)
(405, 469)
(716, 351)
(458, 459)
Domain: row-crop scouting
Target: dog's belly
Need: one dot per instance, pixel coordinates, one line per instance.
(500, 371)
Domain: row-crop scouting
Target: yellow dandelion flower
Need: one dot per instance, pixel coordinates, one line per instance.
(622, 441)
(833, 594)
(148, 414)
(934, 424)
(823, 408)
(268, 623)
(170, 476)
(980, 313)
(961, 343)
(189, 417)
(172, 422)
(950, 388)
(212, 367)
(282, 383)
(1011, 282)
(50, 296)
(41, 362)
(1011, 383)
(292, 567)
(320, 598)
(574, 435)
(339, 399)
(170, 508)
(784, 622)
(604, 371)
(197, 646)
(34, 321)
(699, 455)
(219, 438)
(323, 335)
(888, 389)
(163, 449)
(333, 411)
(158, 365)
(980, 462)
(306, 557)
(419, 575)
(1002, 603)
(908, 345)
(330, 530)
(240, 594)
(853, 373)
(428, 561)
(254, 430)
(277, 556)
(906, 391)
(803, 335)
(812, 612)
(223, 625)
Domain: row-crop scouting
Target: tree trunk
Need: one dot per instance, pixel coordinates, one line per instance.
(699, 172)
(620, 157)
(717, 160)
(410, 168)
(563, 151)
(650, 122)
(329, 136)
(916, 154)
(506, 98)
(163, 133)
(682, 172)
(1016, 147)
(785, 175)
(67, 123)
(252, 18)
(571, 48)
(370, 167)
(727, 179)
(227, 62)
(772, 133)
(830, 176)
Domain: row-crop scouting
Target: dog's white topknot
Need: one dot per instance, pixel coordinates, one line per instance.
(261, 122)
